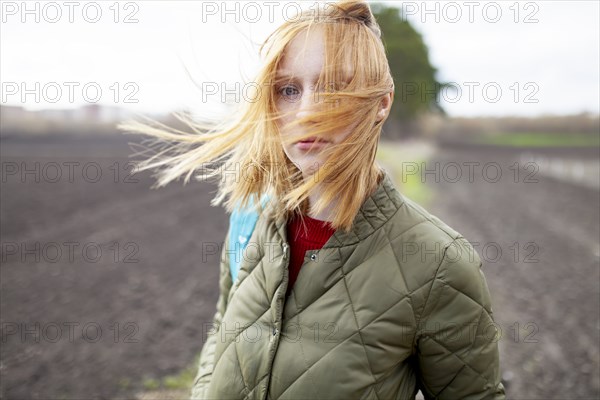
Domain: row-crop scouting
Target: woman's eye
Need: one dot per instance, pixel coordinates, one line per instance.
(288, 91)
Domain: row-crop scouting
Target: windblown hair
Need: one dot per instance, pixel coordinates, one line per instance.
(246, 152)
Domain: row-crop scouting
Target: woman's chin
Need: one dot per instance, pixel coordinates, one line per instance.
(308, 169)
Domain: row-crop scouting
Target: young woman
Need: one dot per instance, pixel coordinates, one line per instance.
(346, 288)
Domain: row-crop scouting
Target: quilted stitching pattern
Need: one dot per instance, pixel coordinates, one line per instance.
(371, 318)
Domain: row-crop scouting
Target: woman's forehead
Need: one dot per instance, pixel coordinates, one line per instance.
(306, 50)
(305, 56)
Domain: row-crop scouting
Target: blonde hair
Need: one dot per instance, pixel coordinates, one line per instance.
(250, 144)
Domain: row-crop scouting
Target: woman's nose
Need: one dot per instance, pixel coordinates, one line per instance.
(308, 104)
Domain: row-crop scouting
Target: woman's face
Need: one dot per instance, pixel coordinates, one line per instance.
(296, 98)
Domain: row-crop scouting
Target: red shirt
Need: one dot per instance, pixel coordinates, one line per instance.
(310, 236)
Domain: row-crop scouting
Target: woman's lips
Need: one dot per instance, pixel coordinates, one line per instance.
(310, 139)
(309, 143)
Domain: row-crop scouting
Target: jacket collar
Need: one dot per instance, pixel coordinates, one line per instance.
(375, 211)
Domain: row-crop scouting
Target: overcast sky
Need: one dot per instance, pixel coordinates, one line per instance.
(506, 57)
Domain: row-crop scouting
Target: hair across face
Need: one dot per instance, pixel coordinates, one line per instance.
(298, 96)
(328, 74)
(325, 75)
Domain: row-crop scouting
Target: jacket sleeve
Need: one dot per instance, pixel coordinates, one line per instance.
(457, 338)
(206, 360)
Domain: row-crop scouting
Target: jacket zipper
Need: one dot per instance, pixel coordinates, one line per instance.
(278, 313)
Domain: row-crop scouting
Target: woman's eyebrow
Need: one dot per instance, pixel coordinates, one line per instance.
(287, 76)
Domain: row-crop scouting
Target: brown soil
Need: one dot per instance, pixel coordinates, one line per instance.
(158, 305)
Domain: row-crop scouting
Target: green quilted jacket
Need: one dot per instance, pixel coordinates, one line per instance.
(397, 305)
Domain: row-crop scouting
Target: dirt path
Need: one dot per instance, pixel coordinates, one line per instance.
(150, 311)
(119, 322)
(546, 294)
